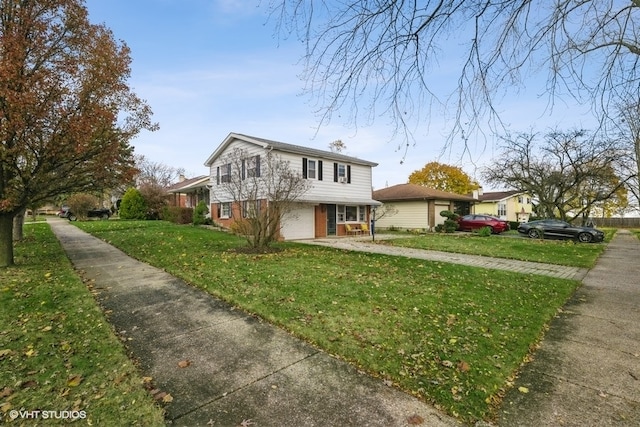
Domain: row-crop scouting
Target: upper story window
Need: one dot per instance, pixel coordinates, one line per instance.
(502, 209)
(223, 173)
(311, 169)
(522, 199)
(251, 167)
(341, 173)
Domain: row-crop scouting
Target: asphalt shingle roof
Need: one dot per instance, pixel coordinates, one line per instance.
(415, 192)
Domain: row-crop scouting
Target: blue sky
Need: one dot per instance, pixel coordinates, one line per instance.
(211, 67)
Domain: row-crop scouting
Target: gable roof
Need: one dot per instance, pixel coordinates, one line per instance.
(188, 184)
(495, 196)
(289, 148)
(406, 192)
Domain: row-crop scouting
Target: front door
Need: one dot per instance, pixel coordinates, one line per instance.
(331, 220)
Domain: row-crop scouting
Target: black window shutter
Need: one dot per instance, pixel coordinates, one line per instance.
(319, 170)
(218, 175)
(349, 174)
(244, 168)
(257, 165)
(304, 167)
(335, 172)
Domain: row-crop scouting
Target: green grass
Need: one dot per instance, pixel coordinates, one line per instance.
(450, 334)
(57, 351)
(520, 248)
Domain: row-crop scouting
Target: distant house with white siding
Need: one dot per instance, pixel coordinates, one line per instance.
(419, 207)
(339, 194)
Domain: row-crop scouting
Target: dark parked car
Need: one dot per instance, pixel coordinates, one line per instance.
(475, 222)
(556, 229)
(102, 213)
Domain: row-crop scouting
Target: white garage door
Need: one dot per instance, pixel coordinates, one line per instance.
(299, 224)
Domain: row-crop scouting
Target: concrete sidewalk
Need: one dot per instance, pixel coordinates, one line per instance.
(241, 370)
(587, 369)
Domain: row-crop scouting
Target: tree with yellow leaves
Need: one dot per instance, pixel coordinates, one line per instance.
(440, 176)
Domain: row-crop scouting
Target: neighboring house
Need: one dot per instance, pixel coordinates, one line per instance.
(339, 194)
(187, 193)
(419, 207)
(509, 205)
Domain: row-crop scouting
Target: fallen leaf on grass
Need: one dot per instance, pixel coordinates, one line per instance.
(167, 398)
(6, 392)
(29, 384)
(74, 380)
(5, 352)
(246, 423)
(463, 366)
(184, 363)
(415, 420)
(523, 390)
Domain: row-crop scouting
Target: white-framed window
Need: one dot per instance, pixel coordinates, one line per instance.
(342, 171)
(311, 169)
(250, 209)
(225, 210)
(253, 166)
(225, 173)
(520, 199)
(502, 209)
(349, 213)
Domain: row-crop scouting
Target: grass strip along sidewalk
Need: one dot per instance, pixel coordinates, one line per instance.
(560, 252)
(59, 358)
(450, 334)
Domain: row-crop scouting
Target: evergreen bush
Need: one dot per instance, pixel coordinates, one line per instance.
(133, 205)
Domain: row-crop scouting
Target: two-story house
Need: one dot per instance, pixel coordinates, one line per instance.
(509, 205)
(338, 194)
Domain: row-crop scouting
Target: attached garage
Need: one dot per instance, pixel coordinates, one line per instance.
(299, 223)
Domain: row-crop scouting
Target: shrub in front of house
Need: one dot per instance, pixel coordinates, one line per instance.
(200, 214)
(450, 224)
(483, 232)
(177, 215)
(133, 205)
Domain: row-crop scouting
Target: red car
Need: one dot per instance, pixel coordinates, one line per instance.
(476, 222)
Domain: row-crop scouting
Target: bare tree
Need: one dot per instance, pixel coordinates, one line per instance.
(265, 189)
(156, 173)
(588, 49)
(568, 173)
(628, 126)
(337, 146)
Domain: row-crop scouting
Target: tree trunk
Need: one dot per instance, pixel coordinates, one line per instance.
(18, 224)
(6, 239)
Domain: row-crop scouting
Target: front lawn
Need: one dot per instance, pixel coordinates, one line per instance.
(57, 351)
(450, 334)
(560, 252)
